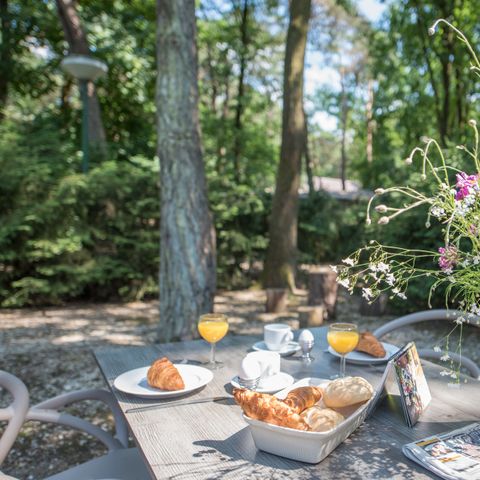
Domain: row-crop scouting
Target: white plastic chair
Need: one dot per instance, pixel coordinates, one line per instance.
(120, 463)
(427, 315)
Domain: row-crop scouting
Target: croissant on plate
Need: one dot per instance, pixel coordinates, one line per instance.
(163, 374)
(368, 343)
(269, 409)
(301, 398)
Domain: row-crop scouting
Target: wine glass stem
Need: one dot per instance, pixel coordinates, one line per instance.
(342, 366)
(212, 353)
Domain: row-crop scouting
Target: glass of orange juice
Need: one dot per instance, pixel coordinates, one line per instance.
(343, 338)
(212, 328)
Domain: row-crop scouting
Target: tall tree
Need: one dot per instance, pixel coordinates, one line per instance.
(280, 260)
(5, 54)
(78, 44)
(187, 236)
(244, 41)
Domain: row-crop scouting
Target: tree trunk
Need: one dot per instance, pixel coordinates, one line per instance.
(343, 121)
(308, 160)
(78, 44)
(5, 55)
(187, 235)
(369, 112)
(241, 88)
(280, 259)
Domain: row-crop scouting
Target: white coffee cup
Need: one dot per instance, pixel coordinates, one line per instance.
(269, 363)
(277, 335)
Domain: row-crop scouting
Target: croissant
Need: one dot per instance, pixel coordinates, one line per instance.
(269, 409)
(368, 343)
(163, 374)
(301, 398)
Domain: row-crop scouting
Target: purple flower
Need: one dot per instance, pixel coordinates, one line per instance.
(448, 258)
(466, 184)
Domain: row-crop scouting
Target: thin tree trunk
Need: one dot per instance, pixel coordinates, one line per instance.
(343, 121)
(369, 112)
(308, 160)
(187, 236)
(241, 88)
(281, 254)
(78, 44)
(5, 55)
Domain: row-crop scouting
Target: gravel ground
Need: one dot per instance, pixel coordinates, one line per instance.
(51, 351)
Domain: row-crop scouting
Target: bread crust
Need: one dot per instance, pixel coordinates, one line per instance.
(163, 375)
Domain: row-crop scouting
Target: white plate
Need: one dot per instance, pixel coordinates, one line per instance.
(134, 382)
(361, 358)
(272, 384)
(289, 349)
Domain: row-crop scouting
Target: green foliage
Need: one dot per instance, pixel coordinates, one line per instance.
(329, 229)
(66, 235)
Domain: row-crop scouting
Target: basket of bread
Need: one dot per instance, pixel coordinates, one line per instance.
(308, 420)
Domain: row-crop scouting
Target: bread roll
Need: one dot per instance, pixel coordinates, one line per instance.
(343, 392)
(322, 419)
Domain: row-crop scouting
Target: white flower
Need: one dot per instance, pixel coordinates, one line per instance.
(344, 282)
(396, 291)
(334, 268)
(390, 279)
(460, 320)
(349, 261)
(383, 220)
(443, 373)
(383, 267)
(437, 212)
(445, 357)
(436, 348)
(373, 267)
(453, 374)
(475, 309)
(367, 293)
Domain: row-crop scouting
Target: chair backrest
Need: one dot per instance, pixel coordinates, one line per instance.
(449, 315)
(15, 413)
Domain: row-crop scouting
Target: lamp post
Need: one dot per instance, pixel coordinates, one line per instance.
(85, 69)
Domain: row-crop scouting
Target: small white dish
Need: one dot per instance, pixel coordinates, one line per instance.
(289, 349)
(272, 384)
(134, 382)
(361, 358)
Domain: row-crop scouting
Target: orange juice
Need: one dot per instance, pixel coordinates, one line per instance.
(343, 342)
(212, 331)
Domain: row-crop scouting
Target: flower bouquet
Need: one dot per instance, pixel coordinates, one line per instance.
(455, 203)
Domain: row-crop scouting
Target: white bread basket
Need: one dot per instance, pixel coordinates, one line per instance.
(310, 447)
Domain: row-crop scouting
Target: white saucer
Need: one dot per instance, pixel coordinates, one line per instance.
(361, 358)
(271, 384)
(134, 382)
(289, 349)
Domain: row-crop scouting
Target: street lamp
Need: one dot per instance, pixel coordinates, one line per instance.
(84, 68)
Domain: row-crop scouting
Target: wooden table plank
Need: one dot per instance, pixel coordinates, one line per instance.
(211, 440)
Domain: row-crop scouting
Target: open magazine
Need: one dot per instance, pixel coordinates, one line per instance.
(453, 455)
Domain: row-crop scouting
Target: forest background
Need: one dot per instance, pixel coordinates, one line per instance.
(66, 235)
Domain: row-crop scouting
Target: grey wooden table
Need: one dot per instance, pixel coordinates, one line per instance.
(211, 440)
